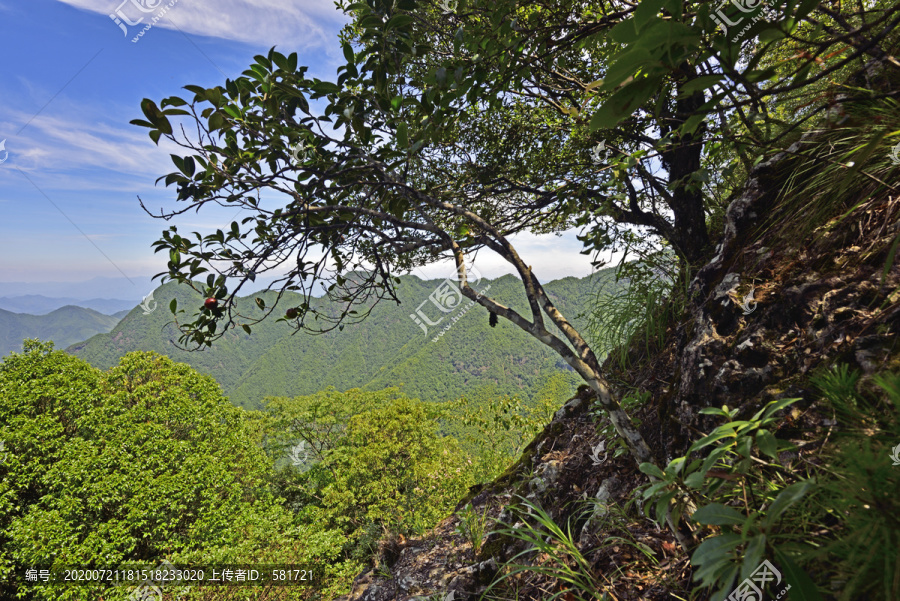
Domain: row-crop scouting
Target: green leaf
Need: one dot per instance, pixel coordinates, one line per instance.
(760, 74)
(398, 21)
(785, 499)
(626, 65)
(172, 101)
(753, 555)
(767, 444)
(744, 446)
(802, 586)
(624, 102)
(715, 436)
(216, 121)
(652, 470)
(325, 87)
(623, 33)
(654, 489)
(646, 11)
(714, 549)
(717, 514)
(772, 407)
(676, 7)
(246, 328)
(155, 116)
(700, 83)
(675, 466)
(771, 34)
(662, 506)
(695, 480)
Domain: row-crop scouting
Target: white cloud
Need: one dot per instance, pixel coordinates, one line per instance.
(551, 257)
(293, 24)
(67, 147)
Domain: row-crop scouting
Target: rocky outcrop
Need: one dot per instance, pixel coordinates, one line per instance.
(764, 313)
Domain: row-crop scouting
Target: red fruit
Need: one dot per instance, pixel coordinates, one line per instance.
(291, 313)
(211, 304)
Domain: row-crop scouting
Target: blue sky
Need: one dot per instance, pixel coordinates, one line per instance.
(70, 82)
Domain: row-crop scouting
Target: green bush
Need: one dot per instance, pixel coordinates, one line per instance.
(380, 467)
(142, 463)
(858, 499)
(744, 508)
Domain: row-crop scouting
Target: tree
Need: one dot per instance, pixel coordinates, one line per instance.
(144, 462)
(391, 175)
(374, 462)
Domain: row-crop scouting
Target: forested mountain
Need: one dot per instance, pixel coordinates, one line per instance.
(386, 349)
(739, 440)
(63, 326)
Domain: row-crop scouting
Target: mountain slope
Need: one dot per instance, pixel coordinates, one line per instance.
(63, 326)
(821, 338)
(387, 349)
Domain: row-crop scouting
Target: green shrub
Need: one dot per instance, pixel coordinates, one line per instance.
(745, 508)
(144, 462)
(859, 499)
(381, 466)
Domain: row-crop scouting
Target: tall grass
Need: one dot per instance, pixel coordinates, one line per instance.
(633, 312)
(838, 169)
(553, 554)
(860, 500)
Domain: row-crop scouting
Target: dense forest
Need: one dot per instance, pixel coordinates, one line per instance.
(66, 325)
(148, 460)
(387, 349)
(736, 429)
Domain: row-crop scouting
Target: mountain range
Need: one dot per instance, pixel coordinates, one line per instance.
(37, 304)
(133, 288)
(461, 355)
(64, 326)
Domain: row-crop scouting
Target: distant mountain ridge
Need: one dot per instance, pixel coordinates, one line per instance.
(64, 326)
(36, 304)
(133, 288)
(389, 348)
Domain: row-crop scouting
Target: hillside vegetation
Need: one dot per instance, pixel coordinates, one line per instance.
(148, 461)
(64, 326)
(736, 434)
(387, 349)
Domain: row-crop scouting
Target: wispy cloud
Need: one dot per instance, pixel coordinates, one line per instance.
(294, 24)
(67, 146)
